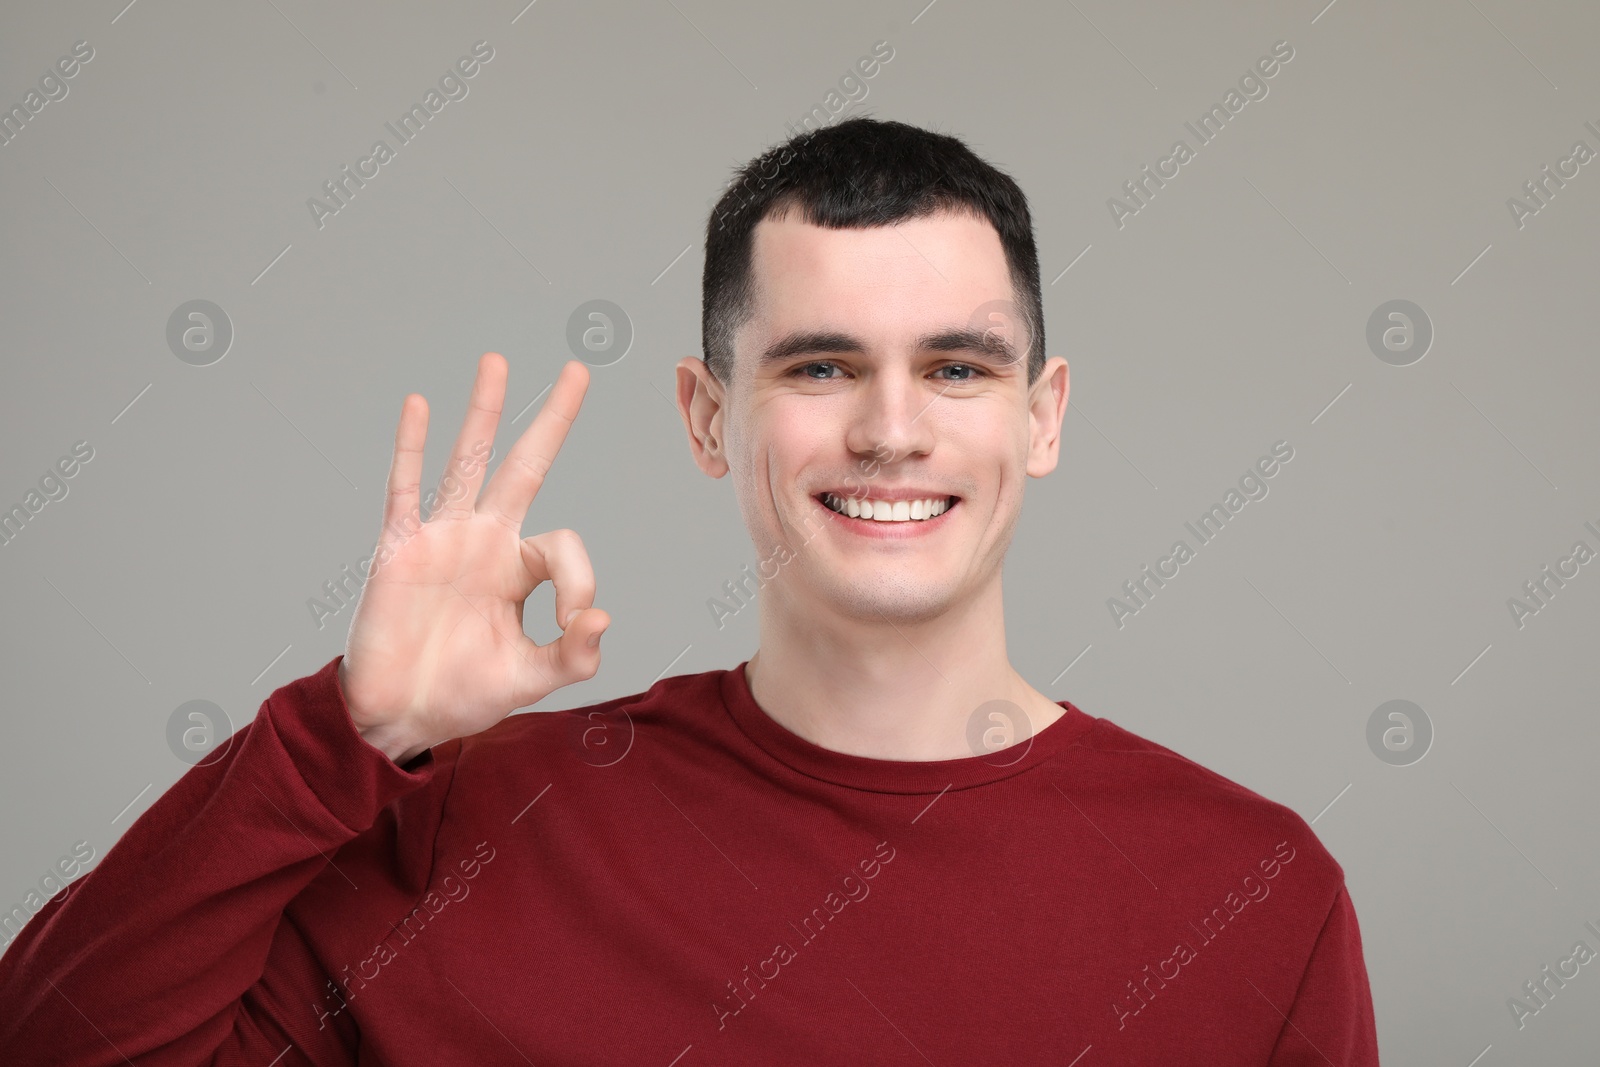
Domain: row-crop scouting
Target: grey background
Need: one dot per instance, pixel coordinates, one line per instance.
(1228, 314)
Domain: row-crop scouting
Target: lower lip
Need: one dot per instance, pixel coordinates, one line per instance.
(889, 531)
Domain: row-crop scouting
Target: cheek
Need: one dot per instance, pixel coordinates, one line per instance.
(993, 453)
(789, 445)
(1015, 447)
(753, 458)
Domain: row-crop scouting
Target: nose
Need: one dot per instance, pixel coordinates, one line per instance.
(892, 417)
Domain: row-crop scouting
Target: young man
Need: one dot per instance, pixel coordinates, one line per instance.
(873, 842)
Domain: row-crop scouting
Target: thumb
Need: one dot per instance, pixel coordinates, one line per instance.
(575, 655)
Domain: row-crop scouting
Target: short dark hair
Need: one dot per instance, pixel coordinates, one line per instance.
(857, 173)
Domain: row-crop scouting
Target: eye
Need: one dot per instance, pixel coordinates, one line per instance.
(801, 370)
(975, 371)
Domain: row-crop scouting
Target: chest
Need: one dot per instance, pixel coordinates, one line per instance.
(694, 933)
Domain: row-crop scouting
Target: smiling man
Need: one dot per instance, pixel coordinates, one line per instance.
(885, 629)
(872, 842)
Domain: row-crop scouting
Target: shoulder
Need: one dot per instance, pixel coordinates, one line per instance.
(1202, 820)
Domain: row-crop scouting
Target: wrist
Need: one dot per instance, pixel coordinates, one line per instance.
(392, 742)
(386, 737)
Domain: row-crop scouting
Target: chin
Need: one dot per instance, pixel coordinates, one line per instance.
(887, 598)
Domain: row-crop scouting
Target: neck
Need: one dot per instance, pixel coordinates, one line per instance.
(894, 690)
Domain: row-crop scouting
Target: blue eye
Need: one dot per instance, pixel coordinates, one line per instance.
(973, 373)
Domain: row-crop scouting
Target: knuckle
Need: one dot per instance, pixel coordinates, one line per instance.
(537, 466)
(567, 539)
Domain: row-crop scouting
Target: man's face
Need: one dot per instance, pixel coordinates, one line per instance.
(858, 405)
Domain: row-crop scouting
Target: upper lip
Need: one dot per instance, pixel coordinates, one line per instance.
(891, 494)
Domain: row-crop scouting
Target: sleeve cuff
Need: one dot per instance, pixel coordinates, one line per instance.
(351, 778)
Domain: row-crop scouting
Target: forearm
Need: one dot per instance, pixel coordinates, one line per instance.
(150, 954)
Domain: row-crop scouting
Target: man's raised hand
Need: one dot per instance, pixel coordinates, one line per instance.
(436, 648)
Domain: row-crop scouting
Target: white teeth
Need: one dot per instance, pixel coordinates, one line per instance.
(888, 510)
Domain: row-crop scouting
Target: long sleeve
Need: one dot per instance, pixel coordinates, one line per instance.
(1331, 1020)
(175, 948)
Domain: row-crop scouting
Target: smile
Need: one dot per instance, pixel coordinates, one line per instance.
(917, 510)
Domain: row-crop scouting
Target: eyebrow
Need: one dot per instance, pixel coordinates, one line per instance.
(952, 339)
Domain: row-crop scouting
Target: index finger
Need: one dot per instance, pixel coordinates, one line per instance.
(517, 481)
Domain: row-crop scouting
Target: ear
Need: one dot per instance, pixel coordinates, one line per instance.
(701, 403)
(1047, 406)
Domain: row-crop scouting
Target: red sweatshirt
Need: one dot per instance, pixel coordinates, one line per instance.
(673, 878)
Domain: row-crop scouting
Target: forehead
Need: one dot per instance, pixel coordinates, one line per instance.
(942, 266)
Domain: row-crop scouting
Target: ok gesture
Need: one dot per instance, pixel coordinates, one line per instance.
(436, 648)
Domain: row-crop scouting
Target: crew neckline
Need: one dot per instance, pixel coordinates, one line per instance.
(893, 776)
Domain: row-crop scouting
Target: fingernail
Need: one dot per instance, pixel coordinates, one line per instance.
(595, 638)
(573, 614)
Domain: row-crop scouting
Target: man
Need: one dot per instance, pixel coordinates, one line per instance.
(873, 842)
